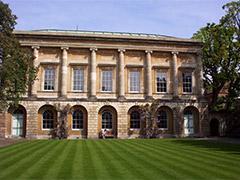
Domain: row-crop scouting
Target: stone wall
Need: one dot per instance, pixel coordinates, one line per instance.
(34, 119)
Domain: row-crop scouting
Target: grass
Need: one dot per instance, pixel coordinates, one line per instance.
(120, 159)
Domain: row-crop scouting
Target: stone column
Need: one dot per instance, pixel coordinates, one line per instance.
(121, 84)
(36, 64)
(175, 74)
(64, 72)
(148, 75)
(93, 75)
(200, 74)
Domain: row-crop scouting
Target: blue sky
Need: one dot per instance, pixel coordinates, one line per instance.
(180, 18)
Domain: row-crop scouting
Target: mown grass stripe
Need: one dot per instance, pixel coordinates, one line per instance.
(47, 162)
(127, 165)
(21, 167)
(100, 166)
(89, 167)
(198, 156)
(147, 162)
(109, 161)
(58, 160)
(16, 148)
(189, 161)
(167, 162)
(21, 154)
(65, 172)
(78, 163)
(210, 149)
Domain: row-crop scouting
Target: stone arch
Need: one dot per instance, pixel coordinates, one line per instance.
(190, 120)
(214, 127)
(18, 122)
(108, 112)
(82, 130)
(162, 113)
(45, 124)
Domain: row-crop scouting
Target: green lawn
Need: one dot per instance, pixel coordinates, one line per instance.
(120, 159)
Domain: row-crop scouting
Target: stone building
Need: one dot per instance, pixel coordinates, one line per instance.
(102, 78)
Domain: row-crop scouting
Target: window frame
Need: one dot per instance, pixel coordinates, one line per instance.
(129, 80)
(77, 129)
(83, 78)
(133, 128)
(111, 114)
(165, 72)
(54, 80)
(47, 129)
(101, 81)
(184, 83)
(167, 119)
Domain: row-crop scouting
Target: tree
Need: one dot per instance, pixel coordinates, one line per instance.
(16, 70)
(148, 117)
(221, 57)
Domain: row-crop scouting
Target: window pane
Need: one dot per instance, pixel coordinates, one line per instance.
(106, 80)
(78, 79)
(49, 79)
(162, 119)
(134, 81)
(77, 120)
(161, 82)
(48, 119)
(187, 82)
(106, 120)
(135, 120)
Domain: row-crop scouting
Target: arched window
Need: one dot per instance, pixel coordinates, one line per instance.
(135, 120)
(48, 119)
(106, 120)
(17, 123)
(77, 119)
(162, 119)
(188, 122)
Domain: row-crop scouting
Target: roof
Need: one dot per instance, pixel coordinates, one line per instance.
(104, 34)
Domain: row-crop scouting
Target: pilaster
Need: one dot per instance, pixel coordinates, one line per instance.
(175, 74)
(121, 83)
(148, 74)
(36, 64)
(64, 72)
(93, 75)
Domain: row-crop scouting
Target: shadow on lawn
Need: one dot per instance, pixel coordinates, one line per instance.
(214, 145)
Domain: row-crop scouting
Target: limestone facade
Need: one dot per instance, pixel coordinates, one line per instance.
(118, 73)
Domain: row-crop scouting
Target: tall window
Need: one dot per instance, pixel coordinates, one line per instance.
(49, 78)
(107, 80)
(162, 119)
(77, 120)
(187, 82)
(161, 82)
(48, 119)
(106, 120)
(135, 120)
(78, 79)
(134, 77)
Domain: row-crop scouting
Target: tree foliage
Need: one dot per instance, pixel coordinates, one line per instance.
(148, 118)
(221, 57)
(16, 67)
